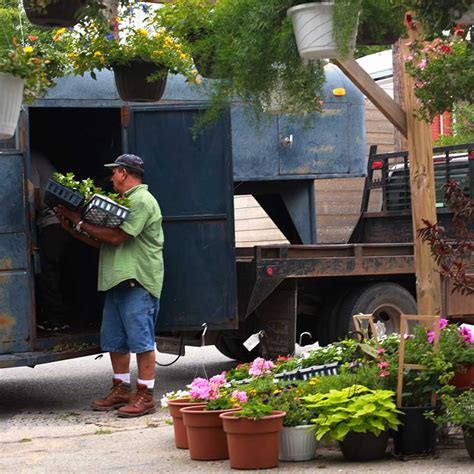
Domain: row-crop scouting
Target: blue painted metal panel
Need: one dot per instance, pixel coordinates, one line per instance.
(15, 276)
(254, 147)
(192, 180)
(12, 199)
(322, 146)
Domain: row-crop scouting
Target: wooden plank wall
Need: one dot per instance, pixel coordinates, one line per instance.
(337, 200)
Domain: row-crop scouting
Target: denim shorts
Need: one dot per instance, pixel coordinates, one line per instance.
(129, 320)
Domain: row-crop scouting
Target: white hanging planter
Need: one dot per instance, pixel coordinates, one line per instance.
(11, 97)
(313, 26)
(297, 443)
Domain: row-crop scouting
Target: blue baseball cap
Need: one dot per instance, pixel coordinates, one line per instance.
(127, 161)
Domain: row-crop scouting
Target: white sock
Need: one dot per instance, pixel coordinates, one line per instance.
(150, 384)
(125, 378)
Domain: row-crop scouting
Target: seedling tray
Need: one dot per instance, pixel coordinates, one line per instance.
(56, 194)
(309, 372)
(102, 211)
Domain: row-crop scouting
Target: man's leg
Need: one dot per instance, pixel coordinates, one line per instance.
(114, 340)
(140, 322)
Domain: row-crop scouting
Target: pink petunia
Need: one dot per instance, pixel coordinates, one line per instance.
(382, 365)
(422, 64)
(443, 323)
(466, 333)
(380, 350)
(430, 336)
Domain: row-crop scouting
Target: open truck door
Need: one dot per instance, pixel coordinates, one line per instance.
(16, 274)
(192, 181)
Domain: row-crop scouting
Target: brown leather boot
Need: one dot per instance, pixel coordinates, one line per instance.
(119, 396)
(142, 403)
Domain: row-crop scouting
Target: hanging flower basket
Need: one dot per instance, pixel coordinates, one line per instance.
(58, 13)
(314, 31)
(11, 96)
(132, 84)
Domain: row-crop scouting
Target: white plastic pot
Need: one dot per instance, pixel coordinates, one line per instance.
(11, 97)
(313, 27)
(297, 443)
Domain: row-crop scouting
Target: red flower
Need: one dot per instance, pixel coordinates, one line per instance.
(444, 48)
(32, 38)
(459, 30)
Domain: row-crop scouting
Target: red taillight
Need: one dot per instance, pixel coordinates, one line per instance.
(377, 165)
(471, 155)
(269, 271)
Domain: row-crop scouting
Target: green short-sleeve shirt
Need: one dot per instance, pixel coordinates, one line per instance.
(141, 256)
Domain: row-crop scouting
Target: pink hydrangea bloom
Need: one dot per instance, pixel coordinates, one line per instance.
(240, 396)
(259, 366)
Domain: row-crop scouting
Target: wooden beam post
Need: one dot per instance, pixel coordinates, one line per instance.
(392, 111)
(422, 184)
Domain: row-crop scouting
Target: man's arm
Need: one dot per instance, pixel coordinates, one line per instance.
(106, 235)
(66, 225)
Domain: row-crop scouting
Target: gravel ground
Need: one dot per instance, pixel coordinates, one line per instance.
(47, 427)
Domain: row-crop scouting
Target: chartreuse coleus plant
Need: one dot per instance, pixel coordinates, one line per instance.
(88, 188)
(353, 409)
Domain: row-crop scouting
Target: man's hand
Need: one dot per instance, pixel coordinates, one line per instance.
(72, 216)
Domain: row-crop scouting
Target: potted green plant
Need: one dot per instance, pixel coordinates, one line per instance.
(30, 61)
(139, 54)
(206, 437)
(459, 411)
(256, 423)
(297, 440)
(192, 22)
(357, 417)
(325, 29)
(443, 71)
(55, 13)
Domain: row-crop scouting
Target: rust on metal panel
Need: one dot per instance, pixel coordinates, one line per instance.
(6, 263)
(7, 321)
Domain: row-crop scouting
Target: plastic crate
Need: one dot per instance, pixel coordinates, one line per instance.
(55, 194)
(102, 211)
(309, 372)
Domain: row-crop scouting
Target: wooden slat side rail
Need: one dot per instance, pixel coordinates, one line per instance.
(404, 318)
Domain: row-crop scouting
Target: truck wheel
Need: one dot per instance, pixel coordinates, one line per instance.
(234, 349)
(386, 301)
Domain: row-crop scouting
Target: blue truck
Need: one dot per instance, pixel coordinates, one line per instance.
(278, 291)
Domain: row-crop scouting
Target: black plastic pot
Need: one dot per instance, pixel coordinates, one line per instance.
(132, 84)
(469, 440)
(364, 446)
(417, 435)
(60, 13)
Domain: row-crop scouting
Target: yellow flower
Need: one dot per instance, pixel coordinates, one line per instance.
(28, 49)
(142, 31)
(61, 31)
(195, 72)
(99, 55)
(158, 35)
(183, 56)
(197, 80)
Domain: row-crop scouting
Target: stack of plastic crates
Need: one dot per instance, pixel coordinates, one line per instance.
(56, 194)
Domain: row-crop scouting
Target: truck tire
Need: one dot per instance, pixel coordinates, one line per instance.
(385, 300)
(233, 348)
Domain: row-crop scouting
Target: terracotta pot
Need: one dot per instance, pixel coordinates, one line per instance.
(206, 437)
(132, 84)
(60, 13)
(364, 446)
(253, 444)
(463, 377)
(180, 436)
